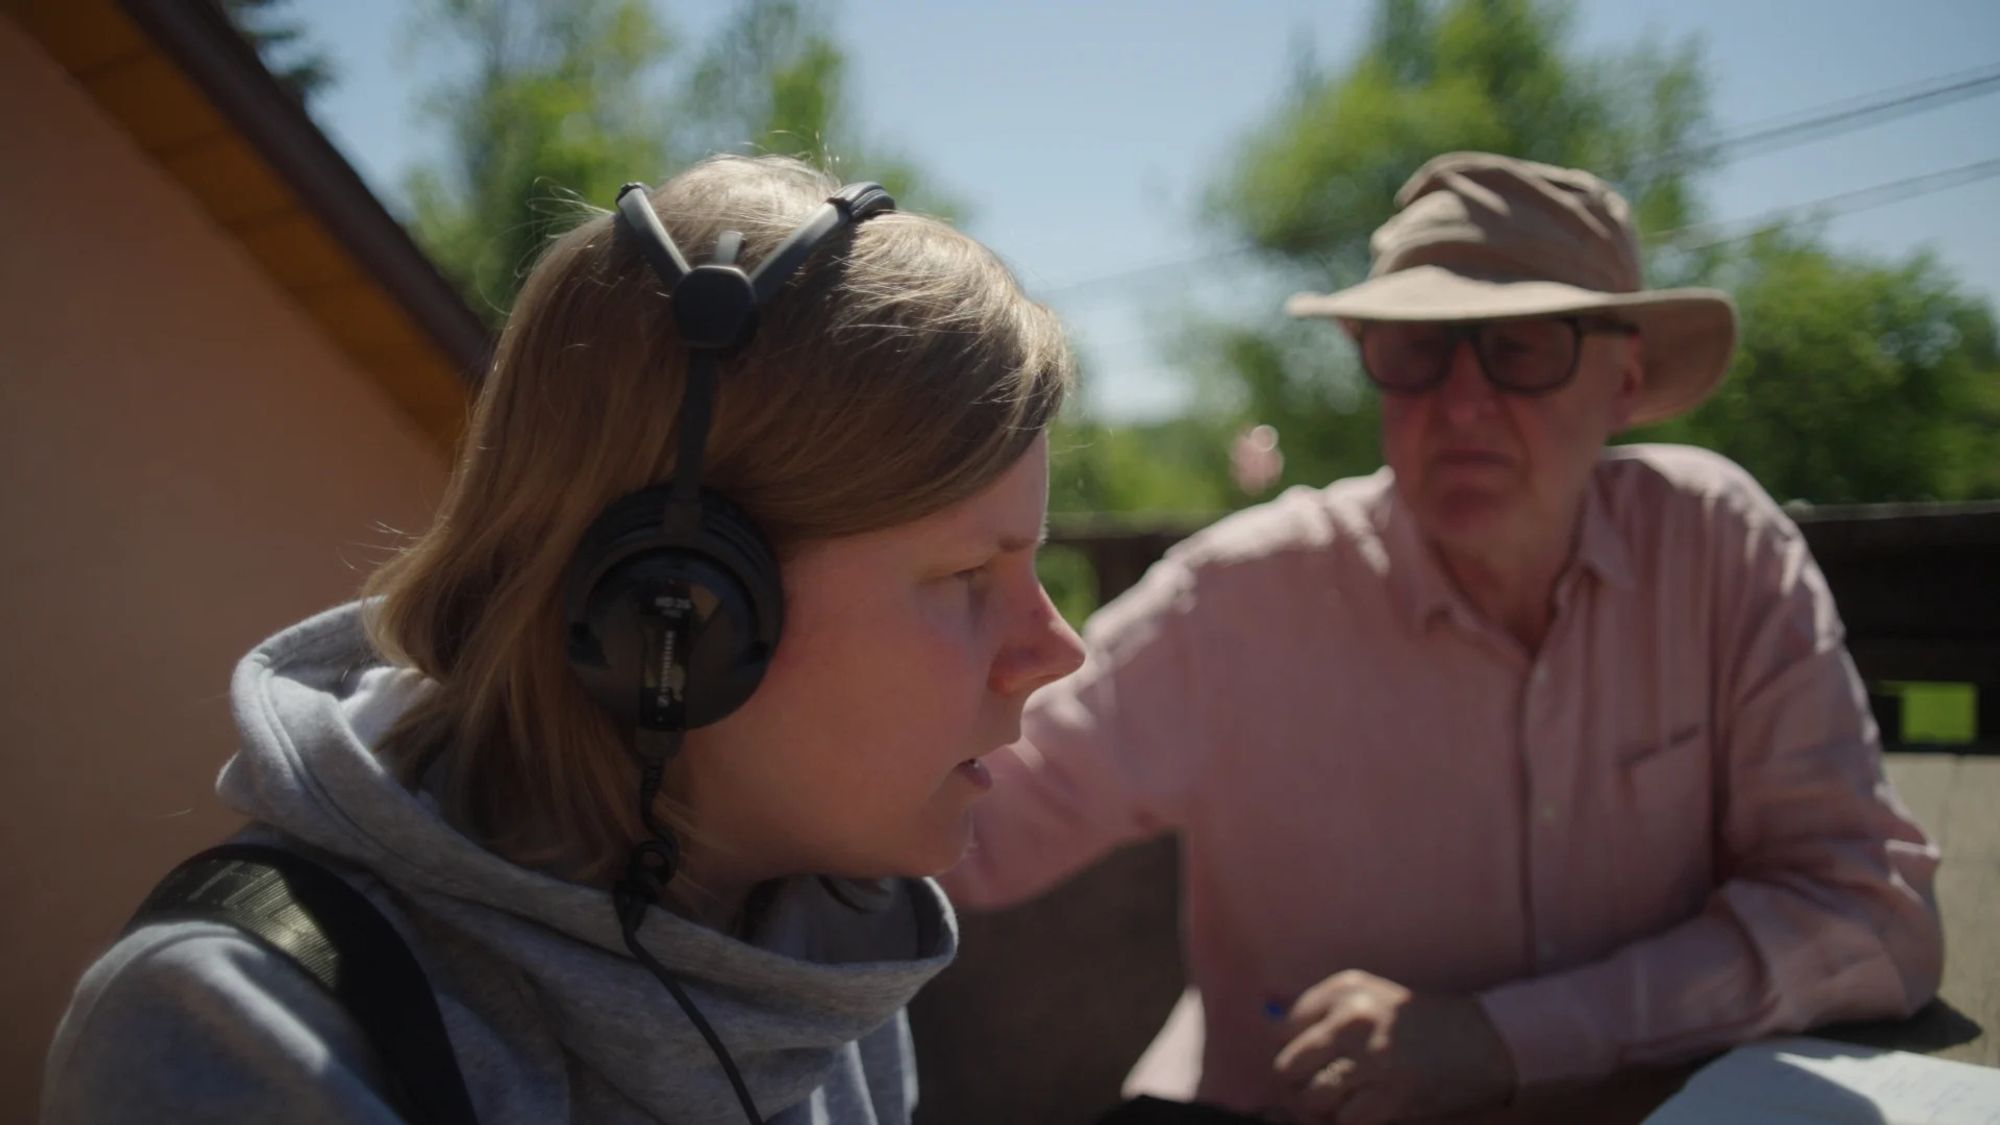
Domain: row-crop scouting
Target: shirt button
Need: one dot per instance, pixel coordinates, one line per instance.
(1548, 949)
(1539, 676)
(1546, 813)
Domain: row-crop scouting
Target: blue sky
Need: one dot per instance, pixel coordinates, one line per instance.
(1082, 135)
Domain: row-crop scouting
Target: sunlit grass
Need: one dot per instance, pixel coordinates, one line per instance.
(1937, 713)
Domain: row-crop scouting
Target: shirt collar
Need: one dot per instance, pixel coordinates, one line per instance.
(1418, 583)
(1600, 548)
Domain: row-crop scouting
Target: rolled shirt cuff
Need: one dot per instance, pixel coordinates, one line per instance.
(1548, 1031)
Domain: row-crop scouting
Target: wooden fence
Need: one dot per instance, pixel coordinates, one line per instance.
(1918, 587)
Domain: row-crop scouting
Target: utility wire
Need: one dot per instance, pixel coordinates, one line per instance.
(1828, 119)
(1833, 118)
(1860, 199)
(1706, 235)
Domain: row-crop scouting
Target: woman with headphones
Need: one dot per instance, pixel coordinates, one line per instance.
(645, 747)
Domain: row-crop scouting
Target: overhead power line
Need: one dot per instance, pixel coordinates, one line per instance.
(1861, 199)
(1825, 120)
(1713, 234)
(1833, 118)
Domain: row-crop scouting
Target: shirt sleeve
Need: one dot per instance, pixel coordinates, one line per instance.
(1106, 754)
(192, 1021)
(1823, 909)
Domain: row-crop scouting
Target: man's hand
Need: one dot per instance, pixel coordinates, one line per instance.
(1363, 1050)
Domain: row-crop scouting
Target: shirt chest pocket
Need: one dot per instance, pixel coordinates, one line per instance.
(1666, 786)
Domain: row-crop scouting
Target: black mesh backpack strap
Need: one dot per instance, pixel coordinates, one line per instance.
(341, 940)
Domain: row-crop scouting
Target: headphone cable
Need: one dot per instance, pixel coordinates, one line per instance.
(653, 865)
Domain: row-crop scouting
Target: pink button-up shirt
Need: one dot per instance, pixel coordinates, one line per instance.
(1665, 832)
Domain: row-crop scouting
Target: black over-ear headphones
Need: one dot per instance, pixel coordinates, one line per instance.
(672, 604)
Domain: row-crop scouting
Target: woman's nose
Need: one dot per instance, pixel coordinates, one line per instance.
(1044, 649)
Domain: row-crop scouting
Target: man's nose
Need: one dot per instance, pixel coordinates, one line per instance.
(1466, 392)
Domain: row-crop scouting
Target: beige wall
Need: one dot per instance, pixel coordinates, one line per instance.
(185, 467)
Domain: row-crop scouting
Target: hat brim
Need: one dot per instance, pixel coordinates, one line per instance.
(1687, 335)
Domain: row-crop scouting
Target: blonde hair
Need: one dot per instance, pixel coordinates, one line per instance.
(900, 372)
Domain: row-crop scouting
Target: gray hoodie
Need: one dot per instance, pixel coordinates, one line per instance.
(550, 1017)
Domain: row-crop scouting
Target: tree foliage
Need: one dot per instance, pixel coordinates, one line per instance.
(774, 80)
(1496, 75)
(1172, 468)
(1856, 380)
(564, 100)
(556, 107)
(298, 64)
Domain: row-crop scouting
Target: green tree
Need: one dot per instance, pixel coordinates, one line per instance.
(558, 108)
(1174, 468)
(774, 80)
(1173, 472)
(300, 66)
(1856, 380)
(565, 100)
(1499, 75)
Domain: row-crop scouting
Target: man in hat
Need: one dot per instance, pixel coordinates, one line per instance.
(1519, 761)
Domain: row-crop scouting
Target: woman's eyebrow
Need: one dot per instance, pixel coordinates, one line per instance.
(1008, 544)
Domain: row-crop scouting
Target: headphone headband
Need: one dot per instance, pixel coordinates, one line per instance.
(680, 527)
(715, 308)
(715, 304)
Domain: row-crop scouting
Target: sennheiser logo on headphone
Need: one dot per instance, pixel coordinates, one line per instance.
(669, 678)
(668, 619)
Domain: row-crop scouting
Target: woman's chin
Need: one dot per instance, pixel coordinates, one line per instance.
(944, 852)
(937, 852)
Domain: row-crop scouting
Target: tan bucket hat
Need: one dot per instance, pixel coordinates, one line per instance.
(1479, 236)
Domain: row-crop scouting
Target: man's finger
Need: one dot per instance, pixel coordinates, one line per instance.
(1340, 1035)
(1311, 1049)
(1315, 1002)
(1328, 1089)
(1306, 1011)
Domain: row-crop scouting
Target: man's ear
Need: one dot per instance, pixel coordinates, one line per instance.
(1631, 381)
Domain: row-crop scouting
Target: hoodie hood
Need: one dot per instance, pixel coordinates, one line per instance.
(822, 971)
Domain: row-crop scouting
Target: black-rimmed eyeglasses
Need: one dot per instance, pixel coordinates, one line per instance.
(1523, 357)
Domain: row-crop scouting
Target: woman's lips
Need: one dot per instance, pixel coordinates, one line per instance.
(974, 771)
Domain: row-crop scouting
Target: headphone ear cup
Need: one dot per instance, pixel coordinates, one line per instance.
(722, 662)
(626, 560)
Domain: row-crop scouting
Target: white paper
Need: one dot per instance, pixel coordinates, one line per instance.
(1800, 1080)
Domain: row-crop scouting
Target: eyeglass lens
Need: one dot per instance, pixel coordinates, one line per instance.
(1528, 356)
